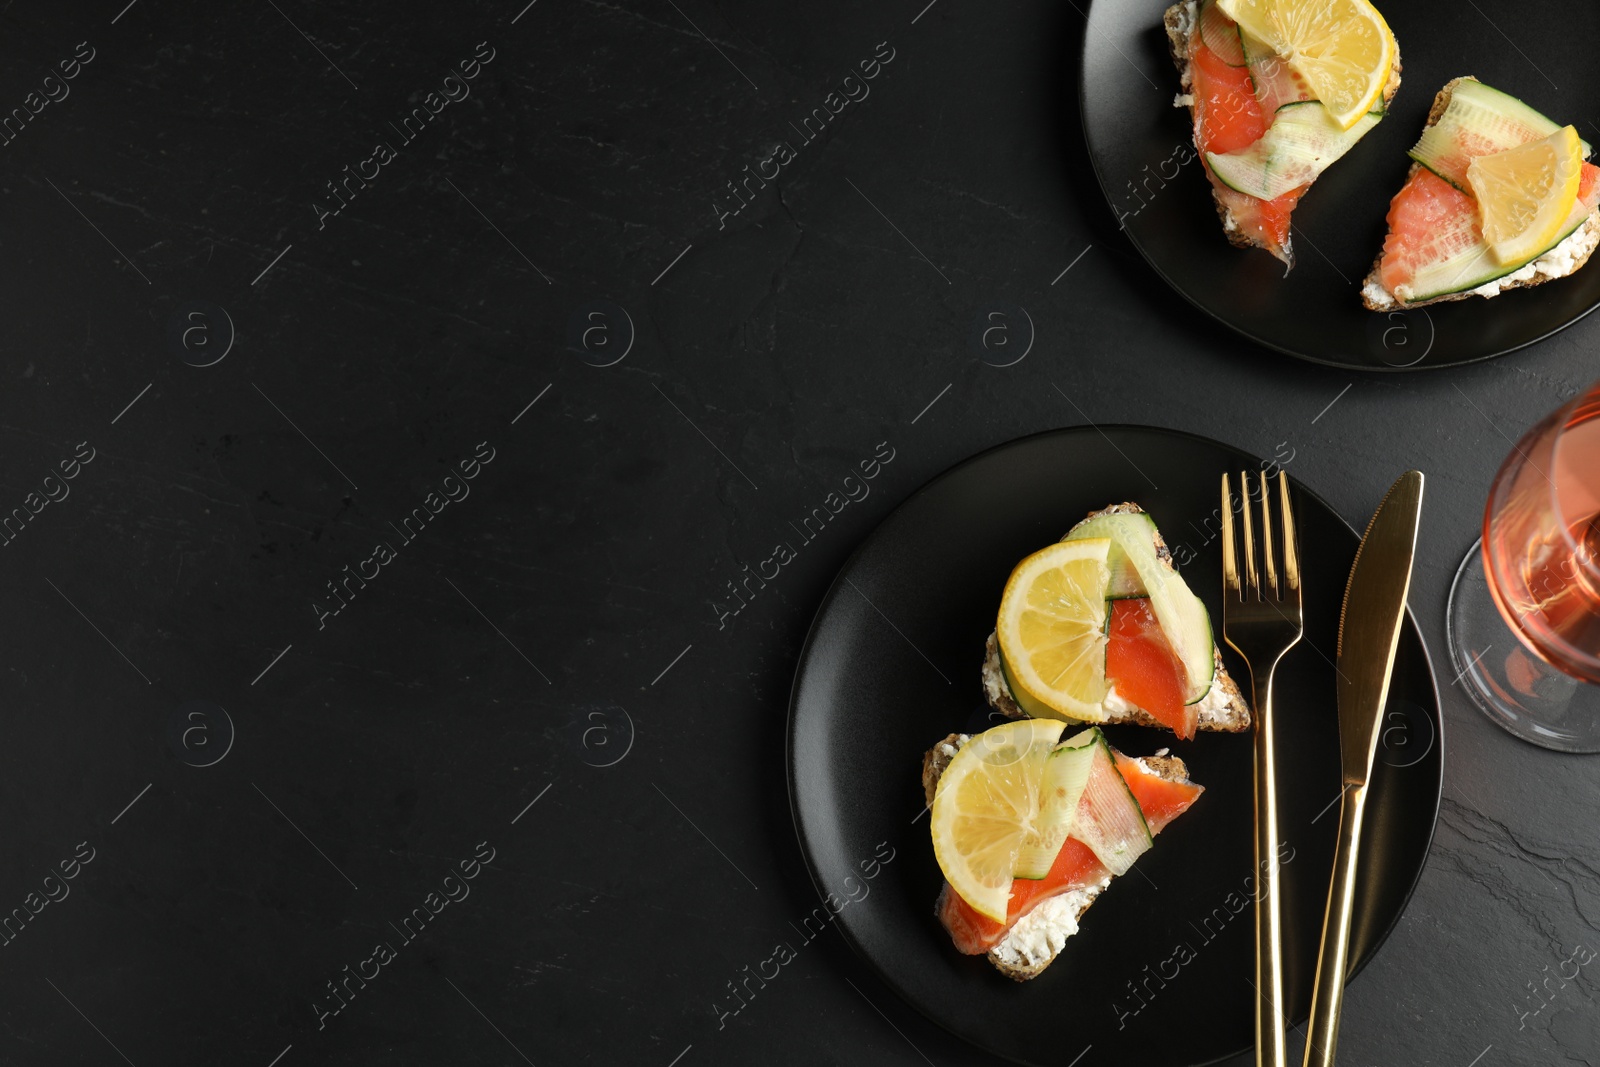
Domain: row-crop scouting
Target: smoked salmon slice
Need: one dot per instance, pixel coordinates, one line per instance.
(1145, 670)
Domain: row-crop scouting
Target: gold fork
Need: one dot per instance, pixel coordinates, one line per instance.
(1261, 620)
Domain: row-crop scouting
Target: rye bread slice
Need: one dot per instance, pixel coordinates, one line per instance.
(1019, 955)
(1222, 710)
(1571, 254)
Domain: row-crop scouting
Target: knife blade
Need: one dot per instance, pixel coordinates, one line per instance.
(1370, 622)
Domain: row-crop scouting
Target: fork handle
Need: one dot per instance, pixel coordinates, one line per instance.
(1270, 1038)
(1333, 961)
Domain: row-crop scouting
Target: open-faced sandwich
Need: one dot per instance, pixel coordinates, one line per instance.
(1030, 829)
(1498, 197)
(1101, 628)
(1278, 90)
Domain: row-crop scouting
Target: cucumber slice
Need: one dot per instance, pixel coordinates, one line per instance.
(1125, 584)
(1276, 83)
(1479, 121)
(1125, 580)
(1221, 34)
(1182, 616)
(1301, 143)
(1471, 264)
(1109, 819)
(1065, 775)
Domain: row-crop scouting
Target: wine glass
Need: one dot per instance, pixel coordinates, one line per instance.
(1524, 614)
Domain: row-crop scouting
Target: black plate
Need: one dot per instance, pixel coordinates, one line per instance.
(1137, 139)
(891, 666)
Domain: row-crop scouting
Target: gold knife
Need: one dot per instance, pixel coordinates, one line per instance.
(1369, 632)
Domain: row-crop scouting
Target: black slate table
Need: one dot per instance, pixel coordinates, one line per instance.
(426, 375)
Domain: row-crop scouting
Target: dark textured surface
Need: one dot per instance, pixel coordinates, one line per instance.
(520, 641)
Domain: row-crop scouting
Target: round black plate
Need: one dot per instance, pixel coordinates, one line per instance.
(1138, 140)
(1160, 972)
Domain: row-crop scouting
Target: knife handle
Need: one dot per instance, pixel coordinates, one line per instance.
(1270, 1039)
(1333, 960)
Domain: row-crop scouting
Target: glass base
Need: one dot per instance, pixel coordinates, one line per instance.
(1515, 688)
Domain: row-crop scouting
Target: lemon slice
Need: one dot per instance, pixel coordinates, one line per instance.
(1342, 48)
(987, 810)
(1525, 194)
(1051, 630)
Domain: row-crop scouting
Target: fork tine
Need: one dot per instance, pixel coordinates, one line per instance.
(1230, 561)
(1291, 557)
(1267, 555)
(1252, 582)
